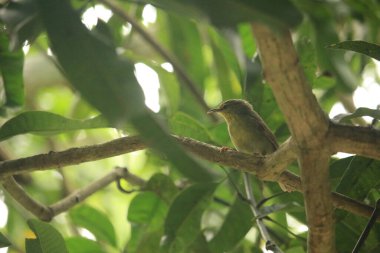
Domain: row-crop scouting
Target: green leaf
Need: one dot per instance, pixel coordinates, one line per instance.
(40, 122)
(307, 55)
(4, 242)
(143, 241)
(360, 177)
(108, 82)
(96, 222)
(363, 47)
(199, 245)
(83, 245)
(11, 66)
(48, 239)
(360, 112)
(163, 186)
(146, 214)
(278, 13)
(147, 208)
(188, 33)
(22, 22)
(184, 125)
(92, 65)
(246, 37)
(183, 221)
(236, 224)
(227, 69)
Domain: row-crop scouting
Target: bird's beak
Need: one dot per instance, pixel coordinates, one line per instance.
(213, 110)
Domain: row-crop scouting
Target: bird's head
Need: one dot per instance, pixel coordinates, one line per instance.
(233, 107)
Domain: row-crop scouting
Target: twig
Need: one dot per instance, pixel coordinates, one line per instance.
(22, 197)
(46, 213)
(269, 243)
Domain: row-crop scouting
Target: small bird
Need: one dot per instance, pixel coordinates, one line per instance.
(248, 131)
(249, 134)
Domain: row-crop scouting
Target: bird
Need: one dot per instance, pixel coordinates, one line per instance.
(249, 134)
(248, 131)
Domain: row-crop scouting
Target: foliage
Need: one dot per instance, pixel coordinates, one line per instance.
(186, 205)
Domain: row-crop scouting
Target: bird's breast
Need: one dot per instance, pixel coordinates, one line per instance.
(247, 137)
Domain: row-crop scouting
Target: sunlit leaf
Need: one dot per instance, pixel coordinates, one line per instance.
(83, 245)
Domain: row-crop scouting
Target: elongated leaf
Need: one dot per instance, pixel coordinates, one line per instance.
(184, 125)
(147, 208)
(40, 122)
(360, 112)
(108, 82)
(48, 239)
(360, 177)
(147, 214)
(228, 80)
(363, 47)
(96, 222)
(182, 224)
(278, 13)
(11, 66)
(237, 223)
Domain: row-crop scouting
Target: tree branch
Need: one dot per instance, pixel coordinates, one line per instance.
(71, 156)
(277, 161)
(47, 213)
(318, 201)
(363, 141)
(22, 197)
(308, 125)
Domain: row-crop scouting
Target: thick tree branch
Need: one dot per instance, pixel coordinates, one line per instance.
(308, 125)
(364, 141)
(318, 201)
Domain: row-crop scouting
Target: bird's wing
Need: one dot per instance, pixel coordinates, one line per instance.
(265, 130)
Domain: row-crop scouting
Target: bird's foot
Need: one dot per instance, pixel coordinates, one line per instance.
(224, 149)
